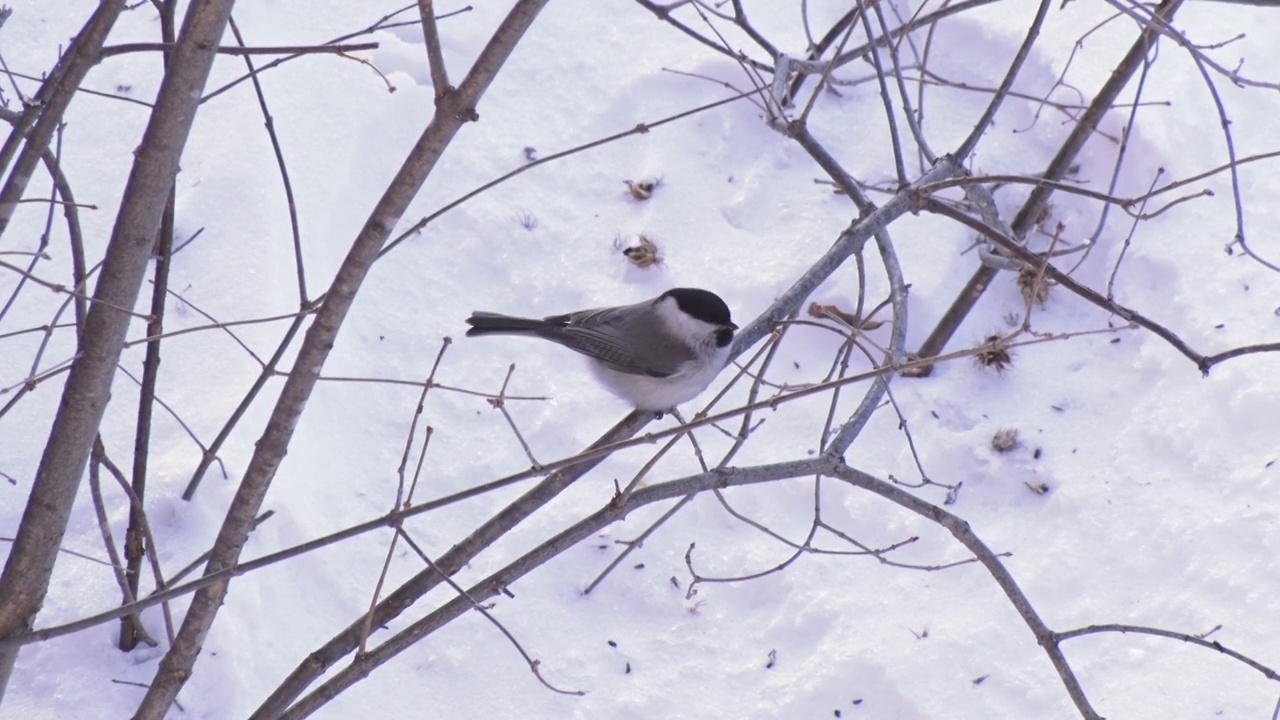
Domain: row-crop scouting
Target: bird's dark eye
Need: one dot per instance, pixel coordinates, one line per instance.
(724, 336)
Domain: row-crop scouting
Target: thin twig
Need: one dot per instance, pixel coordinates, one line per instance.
(144, 529)
(294, 50)
(1203, 362)
(403, 500)
(104, 527)
(435, 56)
(532, 662)
(1266, 671)
(1058, 168)
(270, 124)
(499, 403)
(639, 129)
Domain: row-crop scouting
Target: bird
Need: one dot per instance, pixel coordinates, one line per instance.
(654, 354)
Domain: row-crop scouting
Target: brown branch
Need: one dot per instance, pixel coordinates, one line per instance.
(72, 553)
(87, 91)
(403, 500)
(420, 383)
(1199, 640)
(961, 531)
(740, 19)
(1015, 69)
(530, 660)
(290, 203)
(219, 325)
(572, 469)
(380, 24)
(1010, 246)
(639, 129)
(1058, 168)
(499, 403)
(26, 575)
(664, 13)
(40, 119)
(133, 544)
(203, 557)
(361, 666)
(138, 532)
(447, 564)
(890, 117)
(96, 299)
(769, 350)
(268, 371)
(489, 587)
(99, 455)
(452, 112)
(435, 56)
(133, 621)
(124, 48)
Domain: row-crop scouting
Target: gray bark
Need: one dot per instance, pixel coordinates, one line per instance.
(25, 580)
(454, 109)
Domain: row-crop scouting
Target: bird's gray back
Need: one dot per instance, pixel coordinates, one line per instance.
(600, 333)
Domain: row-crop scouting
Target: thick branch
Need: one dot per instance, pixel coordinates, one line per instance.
(26, 575)
(495, 583)
(452, 111)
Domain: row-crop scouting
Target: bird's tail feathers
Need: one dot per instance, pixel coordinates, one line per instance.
(487, 323)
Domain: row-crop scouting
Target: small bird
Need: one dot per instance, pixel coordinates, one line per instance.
(654, 354)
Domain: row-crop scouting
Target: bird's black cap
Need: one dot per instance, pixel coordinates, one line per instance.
(701, 304)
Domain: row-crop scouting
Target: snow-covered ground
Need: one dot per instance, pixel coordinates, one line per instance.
(1163, 493)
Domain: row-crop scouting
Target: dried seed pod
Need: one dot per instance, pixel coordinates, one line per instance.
(1005, 440)
(644, 254)
(995, 354)
(1034, 286)
(643, 188)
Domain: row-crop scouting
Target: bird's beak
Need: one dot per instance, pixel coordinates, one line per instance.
(732, 326)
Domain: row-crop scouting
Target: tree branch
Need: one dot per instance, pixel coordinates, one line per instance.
(26, 575)
(454, 110)
(1039, 197)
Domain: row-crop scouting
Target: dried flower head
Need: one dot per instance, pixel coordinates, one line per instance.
(1005, 440)
(644, 254)
(1034, 286)
(643, 188)
(995, 354)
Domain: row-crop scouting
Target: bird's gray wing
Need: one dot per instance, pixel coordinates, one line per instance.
(599, 334)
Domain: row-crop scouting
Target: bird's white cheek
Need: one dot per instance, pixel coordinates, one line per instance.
(721, 357)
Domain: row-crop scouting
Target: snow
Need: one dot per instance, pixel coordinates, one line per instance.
(1163, 494)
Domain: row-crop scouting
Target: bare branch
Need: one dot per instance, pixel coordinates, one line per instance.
(1057, 169)
(26, 575)
(435, 56)
(41, 118)
(244, 51)
(1267, 672)
(454, 110)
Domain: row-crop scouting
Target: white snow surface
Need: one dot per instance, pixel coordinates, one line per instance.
(1163, 499)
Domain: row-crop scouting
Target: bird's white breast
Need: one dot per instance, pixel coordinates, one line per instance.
(661, 394)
